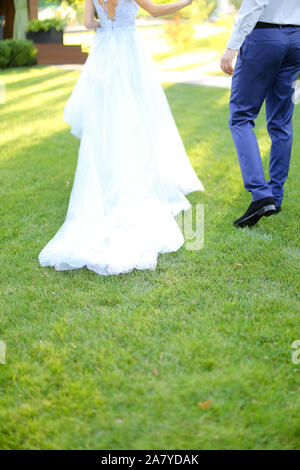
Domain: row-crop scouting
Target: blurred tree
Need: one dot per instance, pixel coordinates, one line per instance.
(21, 19)
(201, 6)
(199, 10)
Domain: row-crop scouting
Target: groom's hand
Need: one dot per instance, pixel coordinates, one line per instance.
(226, 61)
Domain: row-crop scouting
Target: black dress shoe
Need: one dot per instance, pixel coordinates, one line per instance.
(256, 210)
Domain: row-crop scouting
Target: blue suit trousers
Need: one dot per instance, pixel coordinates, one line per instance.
(267, 68)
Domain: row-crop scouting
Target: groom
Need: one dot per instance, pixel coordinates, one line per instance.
(267, 36)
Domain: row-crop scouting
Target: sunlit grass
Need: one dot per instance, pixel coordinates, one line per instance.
(122, 362)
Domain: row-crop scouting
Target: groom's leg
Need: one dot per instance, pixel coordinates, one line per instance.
(279, 108)
(256, 69)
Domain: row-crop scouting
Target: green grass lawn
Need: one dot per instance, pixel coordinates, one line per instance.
(123, 362)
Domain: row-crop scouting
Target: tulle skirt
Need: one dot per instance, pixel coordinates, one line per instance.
(132, 170)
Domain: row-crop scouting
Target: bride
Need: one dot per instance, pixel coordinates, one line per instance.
(132, 170)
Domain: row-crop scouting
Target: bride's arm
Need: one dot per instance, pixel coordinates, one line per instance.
(90, 21)
(164, 9)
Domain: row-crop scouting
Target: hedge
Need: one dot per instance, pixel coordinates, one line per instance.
(15, 53)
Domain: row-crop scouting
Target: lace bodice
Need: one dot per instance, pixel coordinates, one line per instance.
(125, 14)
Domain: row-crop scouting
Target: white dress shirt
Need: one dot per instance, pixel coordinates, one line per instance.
(268, 11)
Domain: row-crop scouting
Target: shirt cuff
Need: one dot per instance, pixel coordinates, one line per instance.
(236, 41)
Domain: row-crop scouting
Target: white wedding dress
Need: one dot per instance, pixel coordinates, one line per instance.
(132, 171)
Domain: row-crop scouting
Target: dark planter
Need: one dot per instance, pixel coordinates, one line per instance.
(52, 36)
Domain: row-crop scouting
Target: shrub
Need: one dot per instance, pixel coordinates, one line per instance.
(180, 31)
(179, 35)
(22, 53)
(4, 54)
(15, 53)
(44, 25)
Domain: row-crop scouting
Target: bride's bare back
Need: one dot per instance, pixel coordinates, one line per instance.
(109, 7)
